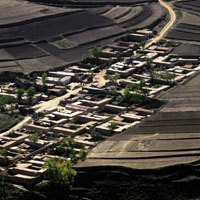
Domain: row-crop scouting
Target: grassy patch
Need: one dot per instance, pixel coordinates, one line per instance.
(63, 44)
(6, 122)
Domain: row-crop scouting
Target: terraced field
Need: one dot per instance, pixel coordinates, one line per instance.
(188, 28)
(37, 37)
(169, 137)
(96, 2)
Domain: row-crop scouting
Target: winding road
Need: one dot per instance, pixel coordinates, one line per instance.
(167, 26)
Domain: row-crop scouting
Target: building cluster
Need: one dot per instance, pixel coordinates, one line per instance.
(94, 112)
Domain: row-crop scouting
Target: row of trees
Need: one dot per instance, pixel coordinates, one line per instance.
(44, 77)
(29, 93)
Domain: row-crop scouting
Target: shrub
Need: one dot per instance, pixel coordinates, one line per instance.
(34, 138)
(60, 171)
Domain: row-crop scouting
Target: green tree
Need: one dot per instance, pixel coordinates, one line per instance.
(114, 78)
(142, 44)
(96, 52)
(112, 126)
(169, 77)
(127, 95)
(82, 154)
(5, 155)
(33, 138)
(119, 99)
(60, 172)
(30, 93)
(149, 62)
(142, 88)
(20, 93)
(67, 146)
(35, 76)
(113, 90)
(6, 100)
(44, 77)
(12, 134)
(96, 136)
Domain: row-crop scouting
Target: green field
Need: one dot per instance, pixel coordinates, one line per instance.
(7, 122)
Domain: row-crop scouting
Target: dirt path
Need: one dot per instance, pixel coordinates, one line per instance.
(55, 102)
(100, 77)
(167, 26)
(41, 107)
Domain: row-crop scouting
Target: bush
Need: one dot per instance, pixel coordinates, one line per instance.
(33, 138)
(96, 52)
(60, 171)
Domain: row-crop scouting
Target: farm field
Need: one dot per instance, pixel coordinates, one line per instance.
(95, 34)
(39, 37)
(187, 50)
(187, 28)
(96, 2)
(7, 122)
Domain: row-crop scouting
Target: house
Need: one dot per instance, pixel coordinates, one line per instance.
(137, 37)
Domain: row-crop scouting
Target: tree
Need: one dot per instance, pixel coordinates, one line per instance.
(114, 78)
(20, 93)
(33, 138)
(119, 99)
(96, 52)
(169, 77)
(142, 44)
(35, 77)
(127, 95)
(60, 172)
(112, 126)
(96, 136)
(143, 91)
(66, 147)
(4, 154)
(113, 90)
(138, 96)
(44, 77)
(30, 93)
(82, 154)
(149, 62)
(12, 134)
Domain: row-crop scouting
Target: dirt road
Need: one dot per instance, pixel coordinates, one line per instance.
(167, 26)
(41, 107)
(55, 102)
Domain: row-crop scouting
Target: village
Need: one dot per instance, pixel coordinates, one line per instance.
(114, 88)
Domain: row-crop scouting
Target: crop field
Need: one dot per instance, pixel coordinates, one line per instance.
(190, 6)
(119, 2)
(135, 11)
(57, 26)
(95, 34)
(146, 12)
(187, 50)
(99, 10)
(96, 2)
(40, 37)
(20, 12)
(25, 51)
(117, 12)
(188, 28)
